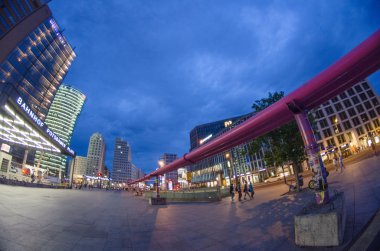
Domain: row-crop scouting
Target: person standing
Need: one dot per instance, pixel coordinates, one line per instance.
(341, 162)
(250, 189)
(239, 190)
(232, 193)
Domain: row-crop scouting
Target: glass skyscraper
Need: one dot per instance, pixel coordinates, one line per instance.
(62, 117)
(34, 59)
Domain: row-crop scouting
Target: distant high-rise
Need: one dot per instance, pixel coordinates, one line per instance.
(80, 165)
(122, 166)
(170, 177)
(62, 117)
(96, 155)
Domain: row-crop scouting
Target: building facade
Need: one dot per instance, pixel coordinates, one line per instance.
(348, 122)
(34, 59)
(96, 155)
(62, 117)
(122, 168)
(170, 179)
(237, 163)
(34, 56)
(80, 166)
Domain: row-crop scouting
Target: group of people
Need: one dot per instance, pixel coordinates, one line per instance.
(247, 189)
(338, 162)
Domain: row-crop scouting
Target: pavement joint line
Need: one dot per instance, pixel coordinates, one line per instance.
(368, 235)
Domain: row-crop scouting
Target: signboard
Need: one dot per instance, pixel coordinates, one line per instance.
(39, 123)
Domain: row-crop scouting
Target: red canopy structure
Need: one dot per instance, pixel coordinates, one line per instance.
(359, 63)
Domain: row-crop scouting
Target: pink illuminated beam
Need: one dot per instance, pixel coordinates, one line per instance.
(359, 63)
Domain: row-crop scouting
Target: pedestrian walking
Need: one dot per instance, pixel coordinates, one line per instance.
(374, 147)
(232, 193)
(250, 189)
(341, 164)
(239, 190)
(246, 190)
(335, 161)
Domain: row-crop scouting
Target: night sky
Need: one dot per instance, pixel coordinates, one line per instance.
(153, 70)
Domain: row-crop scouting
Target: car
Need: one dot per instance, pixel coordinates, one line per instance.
(13, 169)
(273, 179)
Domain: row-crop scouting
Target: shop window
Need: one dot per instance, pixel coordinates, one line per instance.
(341, 139)
(329, 110)
(358, 88)
(363, 97)
(364, 117)
(365, 85)
(375, 102)
(331, 142)
(323, 123)
(327, 133)
(343, 115)
(343, 95)
(356, 100)
(376, 122)
(370, 93)
(337, 128)
(356, 121)
(351, 92)
(347, 103)
(351, 112)
(338, 107)
(360, 108)
(372, 114)
(360, 130)
(367, 105)
(346, 125)
(319, 114)
(368, 127)
(335, 99)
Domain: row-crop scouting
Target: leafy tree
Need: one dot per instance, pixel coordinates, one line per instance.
(282, 145)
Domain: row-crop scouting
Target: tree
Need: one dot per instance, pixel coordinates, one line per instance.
(282, 145)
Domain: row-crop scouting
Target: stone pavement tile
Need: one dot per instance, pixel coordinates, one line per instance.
(11, 246)
(118, 243)
(202, 243)
(90, 244)
(54, 245)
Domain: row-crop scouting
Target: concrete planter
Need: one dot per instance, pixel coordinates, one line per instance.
(321, 225)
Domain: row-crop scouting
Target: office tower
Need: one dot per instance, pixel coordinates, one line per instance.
(96, 155)
(34, 55)
(122, 169)
(62, 117)
(34, 59)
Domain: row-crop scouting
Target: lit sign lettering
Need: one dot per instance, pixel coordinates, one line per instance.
(22, 104)
(56, 29)
(30, 113)
(205, 139)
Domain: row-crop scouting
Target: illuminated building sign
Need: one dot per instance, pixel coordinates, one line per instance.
(227, 123)
(57, 32)
(23, 105)
(205, 139)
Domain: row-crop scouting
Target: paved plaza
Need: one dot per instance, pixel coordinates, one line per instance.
(51, 219)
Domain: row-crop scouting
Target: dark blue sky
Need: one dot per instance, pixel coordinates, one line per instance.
(153, 70)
